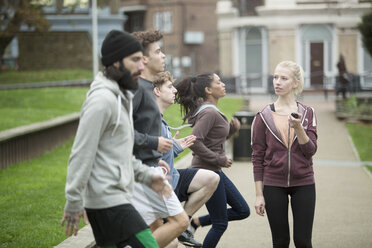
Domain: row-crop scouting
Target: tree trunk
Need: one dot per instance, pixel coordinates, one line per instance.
(2, 51)
(7, 35)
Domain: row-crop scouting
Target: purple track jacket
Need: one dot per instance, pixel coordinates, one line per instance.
(273, 162)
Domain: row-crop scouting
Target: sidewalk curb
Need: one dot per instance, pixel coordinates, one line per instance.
(367, 171)
(65, 83)
(84, 239)
(352, 144)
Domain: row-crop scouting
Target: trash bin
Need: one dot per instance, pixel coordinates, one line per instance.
(242, 149)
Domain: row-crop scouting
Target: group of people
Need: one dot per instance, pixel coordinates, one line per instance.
(121, 170)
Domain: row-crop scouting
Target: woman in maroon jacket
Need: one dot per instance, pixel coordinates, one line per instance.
(284, 139)
(198, 97)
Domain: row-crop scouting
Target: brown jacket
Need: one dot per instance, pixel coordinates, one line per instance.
(211, 129)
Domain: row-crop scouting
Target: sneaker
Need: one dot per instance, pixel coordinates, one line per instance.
(187, 239)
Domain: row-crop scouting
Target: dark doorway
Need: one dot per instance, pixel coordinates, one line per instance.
(316, 64)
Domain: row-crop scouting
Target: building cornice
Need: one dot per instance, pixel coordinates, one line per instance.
(291, 18)
(310, 9)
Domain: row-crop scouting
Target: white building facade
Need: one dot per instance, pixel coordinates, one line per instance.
(312, 33)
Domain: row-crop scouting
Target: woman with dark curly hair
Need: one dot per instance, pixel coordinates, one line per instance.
(198, 97)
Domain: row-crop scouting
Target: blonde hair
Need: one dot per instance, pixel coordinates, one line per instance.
(297, 72)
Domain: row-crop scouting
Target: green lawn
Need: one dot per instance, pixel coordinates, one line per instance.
(21, 77)
(32, 193)
(26, 106)
(362, 138)
(32, 201)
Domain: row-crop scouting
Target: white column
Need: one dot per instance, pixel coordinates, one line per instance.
(265, 58)
(94, 37)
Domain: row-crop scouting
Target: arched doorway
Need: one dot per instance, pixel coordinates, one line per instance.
(317, 54)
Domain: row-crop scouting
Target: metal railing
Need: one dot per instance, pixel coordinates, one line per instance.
(243, 84)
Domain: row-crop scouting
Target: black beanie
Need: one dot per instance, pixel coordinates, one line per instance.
(118, 45)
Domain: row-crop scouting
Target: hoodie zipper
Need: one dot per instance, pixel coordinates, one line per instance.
(289, 155)
(289, 148)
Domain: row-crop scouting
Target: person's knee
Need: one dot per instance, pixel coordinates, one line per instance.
(220, 227)
(242, 210)
(182, 221)
(245, 212)
(213, 180)
(156, 224)
(210, 178)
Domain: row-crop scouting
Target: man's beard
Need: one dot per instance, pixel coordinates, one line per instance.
(127, 81)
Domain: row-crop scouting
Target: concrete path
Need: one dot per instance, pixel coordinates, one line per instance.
(343, 215)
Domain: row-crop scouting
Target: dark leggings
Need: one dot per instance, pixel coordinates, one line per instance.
(219, 215)
(303, 207)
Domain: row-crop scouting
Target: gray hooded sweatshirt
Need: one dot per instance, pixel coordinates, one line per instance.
(102, 168)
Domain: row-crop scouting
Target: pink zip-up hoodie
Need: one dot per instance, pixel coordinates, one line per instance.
(273, 162)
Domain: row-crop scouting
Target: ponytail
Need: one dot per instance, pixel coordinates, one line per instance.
(191, 93)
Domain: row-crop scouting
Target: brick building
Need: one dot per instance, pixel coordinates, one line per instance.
(189, 27)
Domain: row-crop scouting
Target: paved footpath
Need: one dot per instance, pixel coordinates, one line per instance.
(343, 215)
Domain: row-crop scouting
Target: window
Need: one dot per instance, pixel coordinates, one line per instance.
(135, 21)
(43, 2)
(76, 3)
(163, 21)
(64, 6)
(65, 3)
(366, 75)
(316, 1)
(253, 56)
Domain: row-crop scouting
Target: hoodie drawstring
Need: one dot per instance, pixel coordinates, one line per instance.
(118, 119)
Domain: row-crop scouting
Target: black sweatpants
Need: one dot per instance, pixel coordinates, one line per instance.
(303, 207)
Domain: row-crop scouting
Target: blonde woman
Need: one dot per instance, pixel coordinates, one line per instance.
(284, 139)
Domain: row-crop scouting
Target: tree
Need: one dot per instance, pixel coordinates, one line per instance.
(365, 28)
(15, 13)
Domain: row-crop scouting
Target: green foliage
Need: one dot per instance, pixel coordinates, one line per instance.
(16, 13)
(365, 28)
(362, 138)
(229, 106)
(351, 105)
(32, 200)
(356, 106)
(22, 107)
(21, 77)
